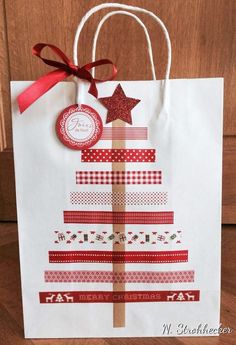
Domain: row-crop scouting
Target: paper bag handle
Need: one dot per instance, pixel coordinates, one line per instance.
(110, 14)
(125, 7)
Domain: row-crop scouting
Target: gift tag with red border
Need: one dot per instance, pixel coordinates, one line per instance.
(79, 127)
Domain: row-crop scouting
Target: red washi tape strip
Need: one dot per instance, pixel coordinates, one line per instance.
(118, 155)
(119, 296)
(124, 133)
(155, 257)
(118, 198)
(119, 277)
(118, 177)
(109, 217)
(79, 237)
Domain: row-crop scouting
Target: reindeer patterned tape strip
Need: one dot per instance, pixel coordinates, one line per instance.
(118, 198)
(124, 133)
(119, 177)
(119, 296)
(109, 217)
(119, 277)
(118, 155)
(172, 256)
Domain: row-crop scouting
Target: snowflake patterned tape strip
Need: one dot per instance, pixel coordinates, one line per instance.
(108, 217)
(119, 277)
(173, 256)
(119, 296)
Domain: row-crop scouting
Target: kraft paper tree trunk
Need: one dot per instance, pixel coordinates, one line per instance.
(118, 308)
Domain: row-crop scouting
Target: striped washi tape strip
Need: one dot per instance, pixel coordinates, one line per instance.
(171, 256)
(109, 217)
(124, 133)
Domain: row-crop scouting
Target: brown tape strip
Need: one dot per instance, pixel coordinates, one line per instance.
(118, 308)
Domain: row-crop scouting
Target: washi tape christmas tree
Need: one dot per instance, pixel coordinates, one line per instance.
(119, 112)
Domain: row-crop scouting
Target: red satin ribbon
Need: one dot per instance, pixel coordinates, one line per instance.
(64, 70)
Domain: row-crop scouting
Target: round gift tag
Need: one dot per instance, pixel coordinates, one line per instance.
(79, 127)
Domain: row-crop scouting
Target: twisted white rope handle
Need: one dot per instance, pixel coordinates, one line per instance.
(126, 7)
(110, 14)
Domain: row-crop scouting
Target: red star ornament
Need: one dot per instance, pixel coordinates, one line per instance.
(119, 106)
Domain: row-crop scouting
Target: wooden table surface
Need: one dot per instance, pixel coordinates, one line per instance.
(11, 323)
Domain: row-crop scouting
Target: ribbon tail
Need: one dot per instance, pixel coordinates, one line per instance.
(93, 89)
(39, 87)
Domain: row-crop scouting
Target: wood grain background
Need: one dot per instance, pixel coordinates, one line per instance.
(203, 41)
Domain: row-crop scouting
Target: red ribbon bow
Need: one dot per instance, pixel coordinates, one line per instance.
(64, 70)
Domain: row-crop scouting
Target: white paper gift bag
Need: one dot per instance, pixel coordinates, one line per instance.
(119, 200)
